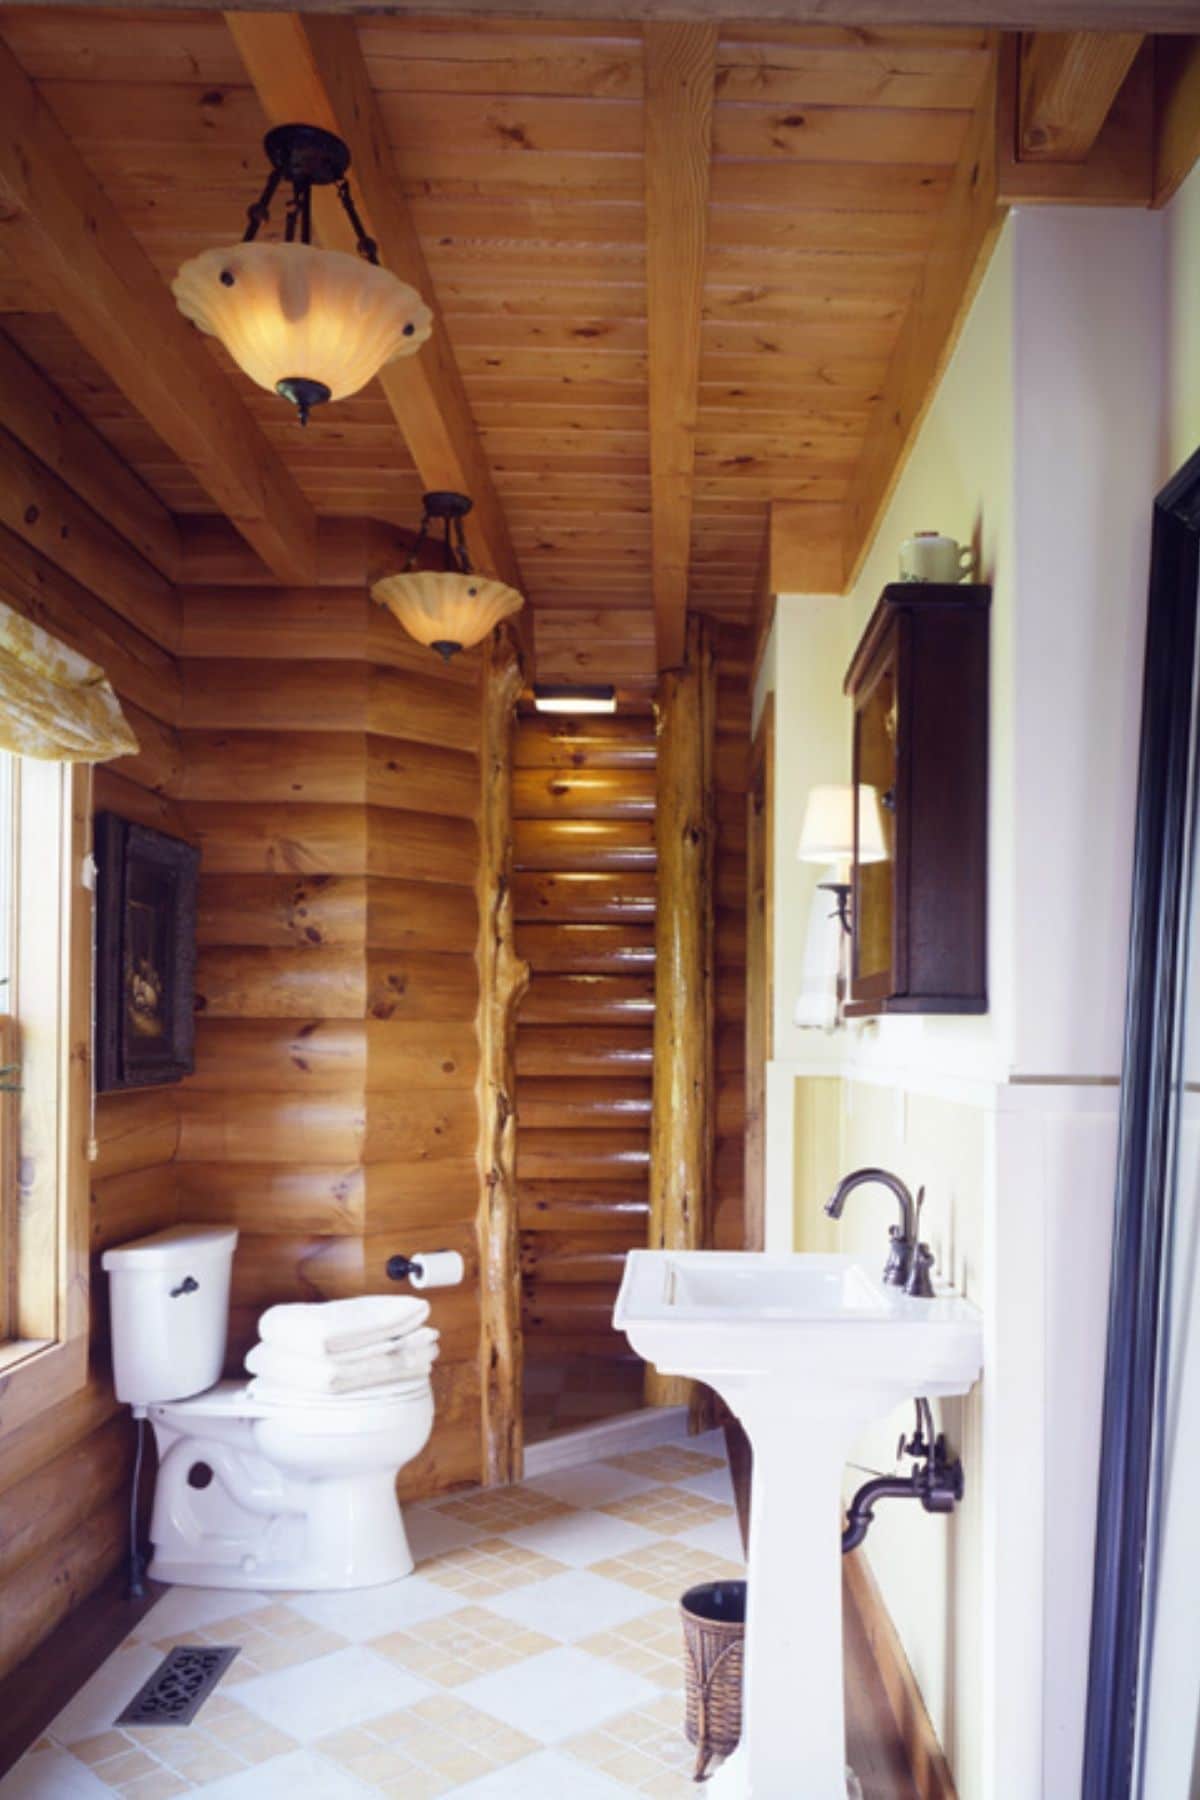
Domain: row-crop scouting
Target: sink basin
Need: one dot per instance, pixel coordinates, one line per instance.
(714, 1314)
(819, 1288)
(790, 1342)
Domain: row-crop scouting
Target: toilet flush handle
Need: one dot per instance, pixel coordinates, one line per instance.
(188, 1285)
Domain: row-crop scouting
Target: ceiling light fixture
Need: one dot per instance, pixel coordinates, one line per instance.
(554, 697)
(311, 324)
(451, 608)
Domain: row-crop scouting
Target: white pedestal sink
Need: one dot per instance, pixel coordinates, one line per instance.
(806, 1350)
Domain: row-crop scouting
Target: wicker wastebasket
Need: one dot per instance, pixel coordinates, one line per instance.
(714, 1632)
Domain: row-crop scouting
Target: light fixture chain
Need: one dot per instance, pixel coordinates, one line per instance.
(259, 212)
(414, 555)
(464, 560)
(365, 244)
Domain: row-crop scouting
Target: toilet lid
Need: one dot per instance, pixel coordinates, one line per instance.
(232, 1400)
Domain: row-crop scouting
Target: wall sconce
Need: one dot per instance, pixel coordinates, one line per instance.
(556, 697)
(827, 836)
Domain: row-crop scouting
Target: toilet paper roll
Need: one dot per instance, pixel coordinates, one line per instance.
(439, 1268)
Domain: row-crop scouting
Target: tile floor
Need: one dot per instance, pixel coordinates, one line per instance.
(534, 1655)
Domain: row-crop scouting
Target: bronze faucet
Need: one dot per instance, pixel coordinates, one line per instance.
(909, 1261)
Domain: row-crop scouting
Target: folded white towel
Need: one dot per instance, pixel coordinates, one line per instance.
(339, 1327)
(347, 1358)
(285, 1369)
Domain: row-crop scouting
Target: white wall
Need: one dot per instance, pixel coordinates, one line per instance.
(1087, 321)
(1045, 444)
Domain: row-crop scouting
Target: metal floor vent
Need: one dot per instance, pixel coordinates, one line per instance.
(180, 1685)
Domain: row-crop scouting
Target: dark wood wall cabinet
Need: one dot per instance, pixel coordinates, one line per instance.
(919, 683)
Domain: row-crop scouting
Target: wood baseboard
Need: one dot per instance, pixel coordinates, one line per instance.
(38, 1688)
(930, 1770)
(642, 1430)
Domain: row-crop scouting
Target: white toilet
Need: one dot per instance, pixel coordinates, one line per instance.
(251, 1493)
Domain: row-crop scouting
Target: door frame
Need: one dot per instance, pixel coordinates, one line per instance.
(1168, 783)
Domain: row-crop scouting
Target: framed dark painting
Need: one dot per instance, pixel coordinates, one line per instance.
(145, 955)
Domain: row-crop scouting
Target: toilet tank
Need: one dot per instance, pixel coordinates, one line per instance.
(169, 1307)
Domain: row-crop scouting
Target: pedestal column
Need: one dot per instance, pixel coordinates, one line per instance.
(793, 1716)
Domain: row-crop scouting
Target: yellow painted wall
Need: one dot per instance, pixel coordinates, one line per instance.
(929, 1569)
(958, 480)
(1018, 455)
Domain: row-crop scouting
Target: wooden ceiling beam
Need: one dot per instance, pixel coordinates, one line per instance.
(680, 75)
(350, 552)
(959, 254)
(311, 68)
(59, 226)
(1177, 110)
(1117, 169)
(1004, 15)
(804, 552)
(1069, 81)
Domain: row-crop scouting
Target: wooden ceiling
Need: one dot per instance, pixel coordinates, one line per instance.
(797, 177)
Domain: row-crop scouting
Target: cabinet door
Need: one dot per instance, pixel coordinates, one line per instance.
(876, 729)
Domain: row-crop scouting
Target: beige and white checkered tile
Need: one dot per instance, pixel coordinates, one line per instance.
(650, 1646)
(645, 1750)
(156, 1762)
(670, 1511)
(426, 1750)
(492, 1566)
(665, 1462)
(666, 1568)
(504, 1509)
(471, 1642)
(273, 1637)
(441, 1743)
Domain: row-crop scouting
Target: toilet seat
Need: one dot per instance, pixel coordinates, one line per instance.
(233, 1400)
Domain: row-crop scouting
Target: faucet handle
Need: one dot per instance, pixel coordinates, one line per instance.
(919, 1285)
(895, 1271)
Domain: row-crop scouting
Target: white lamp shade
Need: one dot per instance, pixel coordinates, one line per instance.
(439, 608)
(827, 835)
(288, 311)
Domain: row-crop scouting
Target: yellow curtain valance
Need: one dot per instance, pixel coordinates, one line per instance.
(54, 703)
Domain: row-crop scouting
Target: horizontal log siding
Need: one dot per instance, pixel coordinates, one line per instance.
(333, 783)
(584, 887)
(730, 764)
(64, 1475)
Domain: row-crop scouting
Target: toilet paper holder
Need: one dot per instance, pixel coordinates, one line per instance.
(399, 1268)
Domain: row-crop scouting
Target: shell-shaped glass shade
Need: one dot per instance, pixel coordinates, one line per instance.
(442, 608)
(288, 311)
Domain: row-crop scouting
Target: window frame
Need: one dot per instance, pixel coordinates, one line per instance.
(44, 1354)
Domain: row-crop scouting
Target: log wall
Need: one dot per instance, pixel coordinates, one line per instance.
(63, 1476)
(331, 776)
(584, 889)
(329, 771)
(733, 646)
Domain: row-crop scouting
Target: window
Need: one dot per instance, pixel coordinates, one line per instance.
(45, 1030)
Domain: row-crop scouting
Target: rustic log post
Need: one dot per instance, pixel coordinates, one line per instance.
(503, 978)
(681, 1124)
